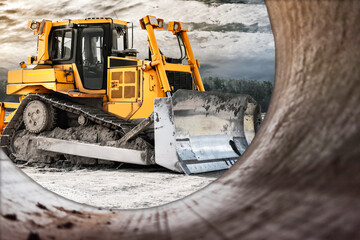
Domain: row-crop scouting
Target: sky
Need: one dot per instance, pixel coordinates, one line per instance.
(231, 38)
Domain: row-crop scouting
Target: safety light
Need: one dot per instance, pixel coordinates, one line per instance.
(153, 20)
(160, 23)
(34, 26)
(22, 64)
(157, 23)
(177, 27)
(184, 26)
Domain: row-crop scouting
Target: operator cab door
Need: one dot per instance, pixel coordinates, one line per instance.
(92, 57)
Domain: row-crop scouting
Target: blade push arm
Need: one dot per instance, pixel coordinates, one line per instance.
(178, 28)
(157, 60)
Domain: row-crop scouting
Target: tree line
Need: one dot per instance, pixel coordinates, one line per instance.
(2, 89)
(3, 96)
(260, 91)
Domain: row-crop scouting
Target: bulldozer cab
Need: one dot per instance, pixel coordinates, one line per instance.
(89, 46)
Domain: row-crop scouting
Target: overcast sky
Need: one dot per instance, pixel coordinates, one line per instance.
(231, 40)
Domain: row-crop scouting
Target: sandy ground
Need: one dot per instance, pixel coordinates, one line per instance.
(129, 187)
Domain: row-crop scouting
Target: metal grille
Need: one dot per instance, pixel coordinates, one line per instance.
(179, 80)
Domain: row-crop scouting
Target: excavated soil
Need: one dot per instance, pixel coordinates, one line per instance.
(26, 150)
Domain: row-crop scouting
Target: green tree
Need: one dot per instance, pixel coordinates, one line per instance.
(2, 90)
(260, 91)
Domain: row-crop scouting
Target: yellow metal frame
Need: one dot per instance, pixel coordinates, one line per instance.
(59, 73)
(192, 61)
(158, 60)
(88, 21)
(177, 67)
(3, 107)
(138, 62)
(23, 89)
(43, 31)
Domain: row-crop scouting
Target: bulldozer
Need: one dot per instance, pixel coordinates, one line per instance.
(87, 98)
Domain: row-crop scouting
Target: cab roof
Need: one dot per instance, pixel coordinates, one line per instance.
(88, 21)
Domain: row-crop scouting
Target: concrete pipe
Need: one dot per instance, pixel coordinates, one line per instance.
(298, 180)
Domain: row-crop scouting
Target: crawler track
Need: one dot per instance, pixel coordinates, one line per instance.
(60, 103)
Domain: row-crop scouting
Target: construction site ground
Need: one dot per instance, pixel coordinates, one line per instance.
(128, 187)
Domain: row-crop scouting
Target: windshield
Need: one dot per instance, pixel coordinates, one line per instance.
(92, 45)
(61, 44)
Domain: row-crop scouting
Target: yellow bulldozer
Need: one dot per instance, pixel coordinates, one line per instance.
(87, 98)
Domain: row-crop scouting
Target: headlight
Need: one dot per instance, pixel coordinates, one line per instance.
(184, 26)
(160, 23)
(153, 20)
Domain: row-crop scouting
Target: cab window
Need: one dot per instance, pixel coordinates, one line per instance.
(92, 48)
(61, 45)
(118, 43)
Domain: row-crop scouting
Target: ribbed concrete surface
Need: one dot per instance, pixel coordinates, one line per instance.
(299, 179)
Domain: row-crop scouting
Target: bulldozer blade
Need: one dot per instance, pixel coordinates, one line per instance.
(198, 132)
(91, 150)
